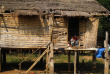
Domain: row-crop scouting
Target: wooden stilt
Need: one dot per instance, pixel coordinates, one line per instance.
(41, 61)
(94, 60)
(51, 59)
(75, 61)
(106, 71)
(4, 57)
(47, 60)
(40, 52)
(19, 68)
(0, 60)
(69, 60)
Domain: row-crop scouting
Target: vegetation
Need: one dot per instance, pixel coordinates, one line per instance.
(61, 62)
(104, 21)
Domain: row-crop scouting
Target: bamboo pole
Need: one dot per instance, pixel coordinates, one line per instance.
(106, 71)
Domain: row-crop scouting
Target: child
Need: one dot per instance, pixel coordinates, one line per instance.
(72, 41)
(77, 41)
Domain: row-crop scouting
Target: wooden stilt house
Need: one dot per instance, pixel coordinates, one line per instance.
(35, 23)
(27, 24)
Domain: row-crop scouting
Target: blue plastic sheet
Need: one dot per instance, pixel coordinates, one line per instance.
(100, 53)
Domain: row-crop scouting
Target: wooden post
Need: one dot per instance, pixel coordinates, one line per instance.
(4, 57)
(0, 60)
(40, 52)
(75, 62)
(69, 60)
(51, 59)
(106, 71)
(93, 60)
(20, 68)
(0, 48)
(50, 27)
(47, 60)
(41, 61)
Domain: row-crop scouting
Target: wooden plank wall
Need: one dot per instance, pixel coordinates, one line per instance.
(23, 32)
(91, 30)
(60, 30)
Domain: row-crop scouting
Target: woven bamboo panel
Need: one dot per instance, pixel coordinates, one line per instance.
(23, 32)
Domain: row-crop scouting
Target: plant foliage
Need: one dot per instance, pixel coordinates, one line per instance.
(105, 21)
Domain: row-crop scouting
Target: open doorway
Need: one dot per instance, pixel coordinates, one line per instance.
(73, 27)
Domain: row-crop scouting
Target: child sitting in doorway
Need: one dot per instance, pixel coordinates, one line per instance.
(77, 41)
(72, 41)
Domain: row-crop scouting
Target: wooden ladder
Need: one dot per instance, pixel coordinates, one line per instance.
(37, 60)
(50, 59)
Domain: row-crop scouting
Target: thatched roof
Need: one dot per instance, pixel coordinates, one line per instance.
(62, 7)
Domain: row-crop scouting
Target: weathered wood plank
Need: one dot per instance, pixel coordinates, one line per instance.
(0, 60)
(51, 59)
(106, 69)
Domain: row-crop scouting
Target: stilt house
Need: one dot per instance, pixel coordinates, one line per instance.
(34, 23)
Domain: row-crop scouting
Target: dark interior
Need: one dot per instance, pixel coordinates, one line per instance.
(73, 27)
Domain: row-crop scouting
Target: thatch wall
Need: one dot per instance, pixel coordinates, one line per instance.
(89, 28)
(91, 31)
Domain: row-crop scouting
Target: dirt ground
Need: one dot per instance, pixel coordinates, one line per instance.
(10, 72)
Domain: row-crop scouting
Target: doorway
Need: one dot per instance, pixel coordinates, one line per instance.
(73, 27)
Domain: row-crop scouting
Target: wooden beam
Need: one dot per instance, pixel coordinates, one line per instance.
(0, 27)
(76, 49)
(0, 60)
(41, 61)
(47, 60)
(69, 52)
(51, 59)
(75, 62)
(50, 27)
(4, 57)
(93, 60)
(0, 49)
(106, 71)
